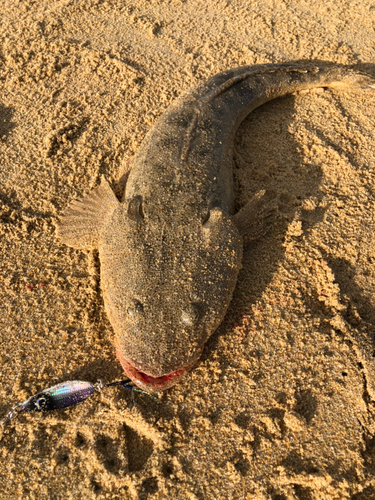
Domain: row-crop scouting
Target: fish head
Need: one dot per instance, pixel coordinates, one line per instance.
(166, 289)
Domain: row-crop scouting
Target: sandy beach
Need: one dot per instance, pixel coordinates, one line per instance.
(281, 405)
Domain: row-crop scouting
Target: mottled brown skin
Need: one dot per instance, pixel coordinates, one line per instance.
(171, 251)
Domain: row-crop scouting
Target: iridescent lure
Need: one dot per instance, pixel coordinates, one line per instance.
(62, 396)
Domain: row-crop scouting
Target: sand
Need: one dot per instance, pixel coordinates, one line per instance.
(281, 404)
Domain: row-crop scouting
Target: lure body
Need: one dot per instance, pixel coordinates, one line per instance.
(61, 396)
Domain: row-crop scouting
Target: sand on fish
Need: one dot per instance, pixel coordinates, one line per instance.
(281, 404)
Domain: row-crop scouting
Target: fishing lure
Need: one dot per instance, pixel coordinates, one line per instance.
(63, 395)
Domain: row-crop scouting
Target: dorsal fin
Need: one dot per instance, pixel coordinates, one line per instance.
(83, 220)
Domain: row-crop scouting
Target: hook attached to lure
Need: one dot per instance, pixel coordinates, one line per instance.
(62, 396)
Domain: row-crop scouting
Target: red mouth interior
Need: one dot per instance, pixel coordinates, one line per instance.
(157, 380)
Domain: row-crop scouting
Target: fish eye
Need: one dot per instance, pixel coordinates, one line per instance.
(190, 315)
(135, 308)
(135, 211)
(206, 216)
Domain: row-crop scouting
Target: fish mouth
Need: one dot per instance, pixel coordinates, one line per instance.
(147, 382)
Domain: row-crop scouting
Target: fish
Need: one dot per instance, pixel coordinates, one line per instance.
(171, 249)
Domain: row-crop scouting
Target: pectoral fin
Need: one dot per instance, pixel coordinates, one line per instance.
(255, 218)
(82, 222)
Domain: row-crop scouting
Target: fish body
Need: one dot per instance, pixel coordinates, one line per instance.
(171, 250)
